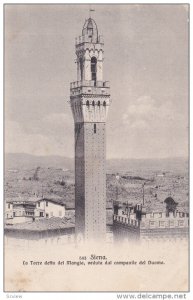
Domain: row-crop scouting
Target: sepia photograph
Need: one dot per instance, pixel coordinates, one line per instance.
(96, 148)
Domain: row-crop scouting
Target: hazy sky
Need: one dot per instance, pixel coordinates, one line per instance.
(146, 62)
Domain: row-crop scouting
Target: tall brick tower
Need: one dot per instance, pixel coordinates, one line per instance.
(90, 98)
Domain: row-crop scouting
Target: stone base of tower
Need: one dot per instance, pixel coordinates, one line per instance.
(90, 182)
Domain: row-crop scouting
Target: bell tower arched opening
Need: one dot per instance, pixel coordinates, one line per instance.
(81, 69)
(94, 69)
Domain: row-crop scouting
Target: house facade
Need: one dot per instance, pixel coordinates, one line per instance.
(48, 208)
(8, 210)
(19, 211)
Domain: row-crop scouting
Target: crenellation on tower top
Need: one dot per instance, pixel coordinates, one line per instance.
(80, 40)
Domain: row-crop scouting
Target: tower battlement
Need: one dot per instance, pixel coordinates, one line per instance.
(89, 83)
(89, 88)
(86, 39)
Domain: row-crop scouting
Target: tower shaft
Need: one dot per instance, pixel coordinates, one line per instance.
(90, 181)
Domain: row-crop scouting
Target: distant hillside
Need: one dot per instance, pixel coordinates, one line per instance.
(27, 161)
(157, 165)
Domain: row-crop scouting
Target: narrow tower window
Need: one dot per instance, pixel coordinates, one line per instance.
(94, 128)
(81, 69)
(98, 103)
(87, 103)
(104, 103)
(93, 69)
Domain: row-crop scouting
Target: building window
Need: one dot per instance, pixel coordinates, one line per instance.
(38, 204)
(181, 223)
(152, 224)
(162, 224)
(9, 205)
(46, 203)
(99, 103)
(142, 224)
(41, 214)
(47, 215)
(104, 103)
(94, 128)
(87, 103)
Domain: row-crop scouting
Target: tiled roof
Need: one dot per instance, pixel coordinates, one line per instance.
(44, 224)
(24, 199)
(56, 200)
(9, 200)
(182, 208)
(156, 207)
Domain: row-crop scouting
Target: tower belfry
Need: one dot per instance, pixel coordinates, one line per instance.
(90, 98)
